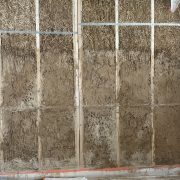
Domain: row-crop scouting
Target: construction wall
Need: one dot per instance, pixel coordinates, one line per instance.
(89, 83)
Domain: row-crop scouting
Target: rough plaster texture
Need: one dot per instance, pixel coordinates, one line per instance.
(167, 141)
(98, 11)
(134, 59)
(98, 77)
(20, 143)
(58, 138)
(99, 137)
(135, 135)
(134, 11)
(117, 121)
(18, 70)
(55, 15)
(163, 12)
(167, 65)
(135, 38)
(57, 69)
(17, 14)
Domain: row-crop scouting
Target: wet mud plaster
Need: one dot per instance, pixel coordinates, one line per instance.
(55, 15)
(98, 11)
(20, 143)
(134, 11)
(19, 70)
(135, 135)
(98, 77)
(57, 69)
(99, 137)
(17, 14)
(167, 135)
(163, 12)
(167, 65)
(58, 138)
(134, 59)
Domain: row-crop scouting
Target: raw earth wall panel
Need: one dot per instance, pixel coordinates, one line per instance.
(17, 15)
(167, 135)
(134, 59)
(20, 143)
(57, 132)
(98, 11)
(135, 136)
(98, 67)
(57, 70)
(99, 137)
(101, 97)
(134, 11)
(163, 12)
(167, 65)
(18, 71)
(55, 15)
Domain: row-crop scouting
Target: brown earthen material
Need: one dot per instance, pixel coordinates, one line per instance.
(163, 12)
(20, 143)
(134, 70)
(99, 137)
(98, 11)
(17, 15)
(98, 61)
(57, 133)
(167, 65)
(57, 70)
(134, 11)
(55, 15)
(18, 70)
(167, 135)
(99, 111)
(135, 135)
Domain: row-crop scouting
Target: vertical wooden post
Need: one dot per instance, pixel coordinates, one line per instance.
(152, 77)
(117, 76)
(38, 78)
